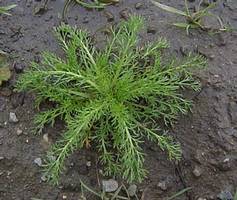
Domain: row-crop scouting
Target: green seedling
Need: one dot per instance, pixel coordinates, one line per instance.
(4, 10)
(193, 19)
(96, 4)
(181, 192)
(110, 97)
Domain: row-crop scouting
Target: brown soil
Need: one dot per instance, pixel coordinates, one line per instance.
(208, 134)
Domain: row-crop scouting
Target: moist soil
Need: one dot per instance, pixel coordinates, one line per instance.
(208, 134)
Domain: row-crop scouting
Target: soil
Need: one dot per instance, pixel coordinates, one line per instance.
(208, 134)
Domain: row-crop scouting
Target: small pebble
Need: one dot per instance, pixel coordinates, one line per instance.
(109, 185)
(1, 157)
(225, 165)
(19, 67)
(206, 2)
(13, 118)
(109, 16)
(197, 171)
(138, 5)
(38, 161)
(85, 20)
(132, 190)
(125, 13)
(88, 163)
(151, 29)
(46, 138)
(19, 132)
(206, 52)
(43, 178)
(162, 185)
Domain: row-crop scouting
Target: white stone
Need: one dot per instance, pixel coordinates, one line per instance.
(13, 118)
(110, 185)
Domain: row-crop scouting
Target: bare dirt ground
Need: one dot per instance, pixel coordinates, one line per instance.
(208, 134)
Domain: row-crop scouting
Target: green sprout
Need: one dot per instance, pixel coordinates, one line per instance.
(96, 4)
(4, 9)
(193, 19)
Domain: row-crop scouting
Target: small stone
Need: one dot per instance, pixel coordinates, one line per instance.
(125, 13)
(222, 40)
(1, 157)
(138, 5)
(225, 195)
(109, 185)
(162, 185)
(2, 32)
(19, 67)
(224, 165)
(40, 10)
(226, 160)
(109, 16)
(48, 18)
(6, 92)
(17, 99)
(151, 29)
(43, 178)
(38, 161)
(19, 132)
(28, 4)
(46, 137)
(132, 190)
(64, 197)
(206, 52)
(13, 118)
(206, 3)
(197, 171)
(88, 163)
(185, 50)
(85, 20)
(211, 197)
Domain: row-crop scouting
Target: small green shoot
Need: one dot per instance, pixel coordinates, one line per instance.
(4, 9)
(111, 97)
(193, 19)
(179, 193)
(235, 197)
(95, 4)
